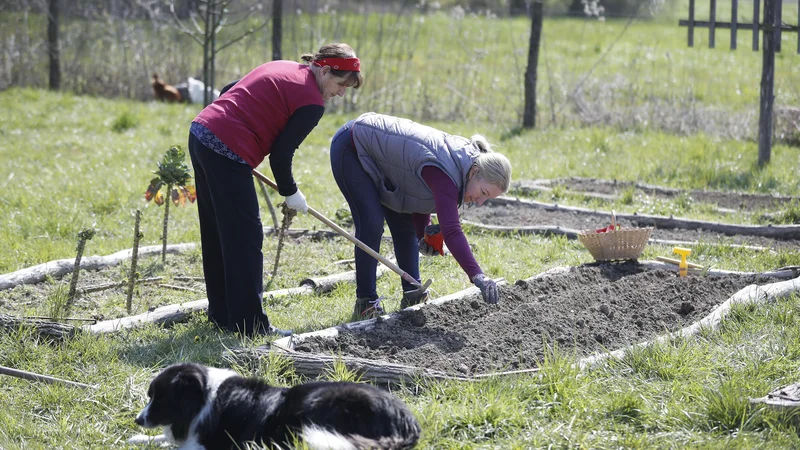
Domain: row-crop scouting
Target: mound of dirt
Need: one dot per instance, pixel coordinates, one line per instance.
(591, 308)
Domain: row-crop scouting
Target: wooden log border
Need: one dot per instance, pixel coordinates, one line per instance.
(379, 372)
(569, 233)
(784, 232)
(60, 267)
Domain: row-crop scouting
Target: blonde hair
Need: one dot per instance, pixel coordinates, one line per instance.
(337, 50)
(493, 167)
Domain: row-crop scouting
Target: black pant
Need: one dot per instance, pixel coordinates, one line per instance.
(231, 236)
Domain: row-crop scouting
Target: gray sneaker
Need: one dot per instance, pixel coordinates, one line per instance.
(367, 308)
(411, 298)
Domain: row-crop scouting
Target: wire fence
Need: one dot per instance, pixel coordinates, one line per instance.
(448, 65)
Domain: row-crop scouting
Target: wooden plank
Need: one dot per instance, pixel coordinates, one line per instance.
(756, 26)
(734, 19)
(691, 23)
(712, 27)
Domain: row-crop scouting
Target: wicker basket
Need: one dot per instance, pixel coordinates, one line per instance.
(617, 243)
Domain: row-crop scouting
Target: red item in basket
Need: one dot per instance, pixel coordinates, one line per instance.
(608, 228)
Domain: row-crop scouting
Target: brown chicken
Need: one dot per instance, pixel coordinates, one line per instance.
(163, 91)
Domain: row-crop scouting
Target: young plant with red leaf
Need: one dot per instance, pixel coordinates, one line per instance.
(172, 173)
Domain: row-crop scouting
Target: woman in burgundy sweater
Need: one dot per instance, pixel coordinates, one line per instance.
(269, 112)
(395, 170)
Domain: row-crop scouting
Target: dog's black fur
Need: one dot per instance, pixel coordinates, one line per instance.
(206, 408)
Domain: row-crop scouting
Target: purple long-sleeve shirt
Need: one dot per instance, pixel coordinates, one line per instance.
(445, 197)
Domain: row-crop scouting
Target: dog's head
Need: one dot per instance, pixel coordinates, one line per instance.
(177, 395)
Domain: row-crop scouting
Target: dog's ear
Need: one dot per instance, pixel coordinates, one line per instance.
(188, 382)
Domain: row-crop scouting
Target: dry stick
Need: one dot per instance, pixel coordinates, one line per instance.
(134, 261)
(103, 287)
(83, 236)
(178, 288)
(166, 225)
(269, 204)
(47, 379)
(288, 215)
(184, 278)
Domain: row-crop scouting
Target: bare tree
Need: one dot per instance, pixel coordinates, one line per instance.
(206, 18)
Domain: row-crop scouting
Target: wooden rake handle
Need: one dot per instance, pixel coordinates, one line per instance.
(404, 275)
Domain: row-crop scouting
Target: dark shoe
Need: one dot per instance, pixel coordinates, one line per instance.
(367, 308)
(280, 332)
(411, 298)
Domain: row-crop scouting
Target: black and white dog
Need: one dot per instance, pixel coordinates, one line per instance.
(208, 408)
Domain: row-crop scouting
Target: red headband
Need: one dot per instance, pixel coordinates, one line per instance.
(351, 64)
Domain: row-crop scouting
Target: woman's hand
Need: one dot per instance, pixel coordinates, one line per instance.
(297, 202)
(488, 288)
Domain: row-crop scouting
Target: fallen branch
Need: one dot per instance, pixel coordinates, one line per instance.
(184, 278)
(49, 329)
(57, 268)
(103, 287)
(378, 372)
(178, 288)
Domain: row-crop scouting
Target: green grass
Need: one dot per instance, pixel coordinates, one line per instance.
(78, 172)
(72, 162)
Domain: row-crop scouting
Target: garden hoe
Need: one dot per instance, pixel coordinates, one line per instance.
(404, 275)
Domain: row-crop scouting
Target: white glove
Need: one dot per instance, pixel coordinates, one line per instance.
(297, 202)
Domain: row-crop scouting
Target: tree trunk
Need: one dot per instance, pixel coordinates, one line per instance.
(53, 47)
(277, 28)
(529, 116)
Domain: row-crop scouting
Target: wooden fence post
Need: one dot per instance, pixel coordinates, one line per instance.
(767, 82)
(529, 116)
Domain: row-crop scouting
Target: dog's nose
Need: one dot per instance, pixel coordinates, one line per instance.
(140, 420)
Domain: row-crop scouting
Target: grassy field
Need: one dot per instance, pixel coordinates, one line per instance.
(72, 162)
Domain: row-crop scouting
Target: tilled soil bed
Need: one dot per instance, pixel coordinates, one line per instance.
(590, 308)
(512, 215)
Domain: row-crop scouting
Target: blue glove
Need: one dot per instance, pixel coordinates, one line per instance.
(488, 288)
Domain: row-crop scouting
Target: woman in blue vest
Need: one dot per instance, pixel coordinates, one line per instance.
(395, 170)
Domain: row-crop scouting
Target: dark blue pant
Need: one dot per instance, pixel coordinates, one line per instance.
(231, 236)
(368, 216)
